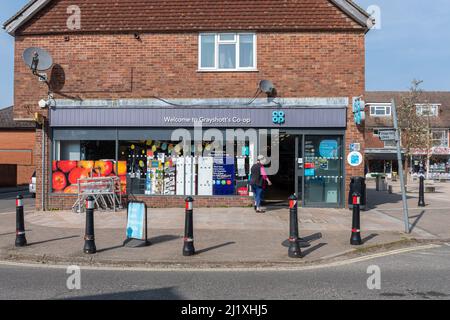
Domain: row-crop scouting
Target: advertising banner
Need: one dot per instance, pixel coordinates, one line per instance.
(65, 173)
(223, 176)
(137, 221)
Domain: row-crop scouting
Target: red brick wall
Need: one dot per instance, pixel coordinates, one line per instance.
(314, 64)
(373, 141)
(67, 201)
(118, 66)
(17, 148)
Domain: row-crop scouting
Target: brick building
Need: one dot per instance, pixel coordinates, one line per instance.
(127, 73)
(17, 139)
(381, 156)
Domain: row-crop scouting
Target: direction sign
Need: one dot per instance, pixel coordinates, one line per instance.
(387, 135)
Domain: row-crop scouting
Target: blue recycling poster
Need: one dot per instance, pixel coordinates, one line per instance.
(223, 176)
(136, 220)
(328, 148)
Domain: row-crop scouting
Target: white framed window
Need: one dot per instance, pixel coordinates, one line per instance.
(227, 52)
(431, 110)
(380, 110)
(440, 138)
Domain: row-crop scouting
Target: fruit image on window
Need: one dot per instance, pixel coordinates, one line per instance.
(66, 173)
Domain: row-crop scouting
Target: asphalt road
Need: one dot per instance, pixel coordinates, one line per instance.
(420, 274)
(8, 201)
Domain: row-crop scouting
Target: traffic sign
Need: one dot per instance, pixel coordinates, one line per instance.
(387, 135)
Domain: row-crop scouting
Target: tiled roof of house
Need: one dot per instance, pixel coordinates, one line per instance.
(7, 120)
(425, 97)
(50, 16)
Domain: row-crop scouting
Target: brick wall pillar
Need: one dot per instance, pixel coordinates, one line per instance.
(38, 163)
(354, 134)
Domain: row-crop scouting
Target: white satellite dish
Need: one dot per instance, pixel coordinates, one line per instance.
(267, 86)
(37, 59)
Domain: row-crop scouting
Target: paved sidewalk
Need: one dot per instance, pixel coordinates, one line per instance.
(222, 237)
(225, 236)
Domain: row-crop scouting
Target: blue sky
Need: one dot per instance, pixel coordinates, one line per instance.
(413, 42)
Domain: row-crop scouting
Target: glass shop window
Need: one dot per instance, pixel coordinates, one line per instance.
(75, 161)
(323, 170)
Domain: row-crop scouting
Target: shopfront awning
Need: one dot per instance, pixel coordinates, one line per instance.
(289, 113)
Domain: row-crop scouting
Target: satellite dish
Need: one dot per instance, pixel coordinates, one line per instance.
(37, 59)
(266, 86)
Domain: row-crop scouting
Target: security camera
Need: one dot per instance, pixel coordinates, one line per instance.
(44, 104)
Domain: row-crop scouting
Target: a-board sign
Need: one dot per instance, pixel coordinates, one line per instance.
(386, 135)
(136, 222)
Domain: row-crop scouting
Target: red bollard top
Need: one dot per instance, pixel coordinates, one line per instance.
(19, 201)
(90, 203)
(356, 199)
(189, 203)
(292, 202)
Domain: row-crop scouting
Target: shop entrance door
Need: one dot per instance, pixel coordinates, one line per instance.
(312, 167)
(322, 171)
(285, 179)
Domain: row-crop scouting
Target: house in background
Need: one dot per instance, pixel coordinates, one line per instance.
(17, 140)
(381, 156)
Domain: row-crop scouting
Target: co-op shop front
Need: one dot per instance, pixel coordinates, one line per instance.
(144, 142)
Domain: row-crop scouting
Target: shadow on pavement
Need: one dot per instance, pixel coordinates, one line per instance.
(377, 198)
(417, 219)
(369, 237)
(315, 236)
(110, 248)
(151, 294)
(152, 241)
(316, 247)
(51, 240)
(215, 247)
(11, 233)
(163, 238)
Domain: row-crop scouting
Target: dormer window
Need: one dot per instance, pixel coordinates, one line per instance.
(227, 52)
(380, 110)
(431, 110)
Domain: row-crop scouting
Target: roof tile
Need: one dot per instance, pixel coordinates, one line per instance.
(191, 15)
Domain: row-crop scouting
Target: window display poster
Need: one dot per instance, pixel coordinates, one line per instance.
(223, 176)
(136, 222)
(65, 173)
(328, 148)
(241, 167)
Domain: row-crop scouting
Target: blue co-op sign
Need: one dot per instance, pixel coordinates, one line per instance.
(278, 117)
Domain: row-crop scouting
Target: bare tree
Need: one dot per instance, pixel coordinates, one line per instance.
(415, 127)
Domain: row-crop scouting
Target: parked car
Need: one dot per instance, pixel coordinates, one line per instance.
(32, 186)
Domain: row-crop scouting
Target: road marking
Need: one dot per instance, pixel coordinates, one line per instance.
(410, 209)
(239, 269)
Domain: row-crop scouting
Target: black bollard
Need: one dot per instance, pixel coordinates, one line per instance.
(355, 240)
(421, 191)
(21, 241)
(188, 248)
(89, 238)
(294, 247)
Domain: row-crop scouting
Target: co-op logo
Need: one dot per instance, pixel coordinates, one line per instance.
(278, 117)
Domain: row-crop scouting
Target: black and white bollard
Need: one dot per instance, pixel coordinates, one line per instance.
(89, 238)
(421, 191)
(294, 247)
(21, 241)
(355, 239)
(188, 247)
